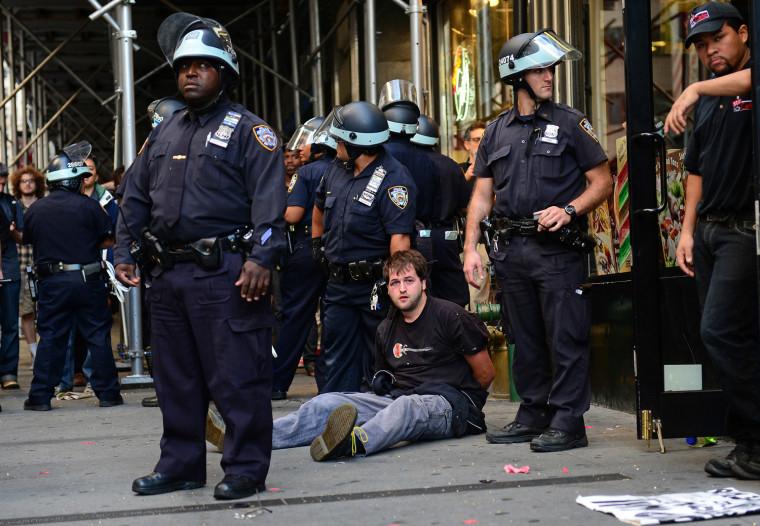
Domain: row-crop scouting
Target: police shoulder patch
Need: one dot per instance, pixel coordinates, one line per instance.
(586, 125)
(399, 195)
(292, 182)
(266, 137)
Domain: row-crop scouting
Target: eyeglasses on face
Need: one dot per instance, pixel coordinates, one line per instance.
(26, 181)
(474, 139)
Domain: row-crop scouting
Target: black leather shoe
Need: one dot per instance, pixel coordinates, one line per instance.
(554, 439)
(237, 487)
(151, 401)
(29, 406)
(722, 467)
(513, 433)
(110, 403)
(279, 395)
(157, 483)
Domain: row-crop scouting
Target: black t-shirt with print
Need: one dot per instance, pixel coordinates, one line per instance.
(432, 347)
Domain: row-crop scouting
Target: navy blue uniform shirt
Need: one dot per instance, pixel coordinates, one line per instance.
(14, 212)
(453, 187)
(355, 231)
(225, 187)
(66, 227)
(564, 147)
(423, 173)
(720, 150)
(303, 189)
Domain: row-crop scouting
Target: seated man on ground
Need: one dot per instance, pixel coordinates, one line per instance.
(432, 380)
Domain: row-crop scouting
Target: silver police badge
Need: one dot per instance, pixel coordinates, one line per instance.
(550, 134)
(224, 133)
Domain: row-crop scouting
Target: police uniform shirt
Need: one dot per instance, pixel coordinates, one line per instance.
(355, 230)
(14, 212)
(454, 191)
(539, 162)
(423, 173)
(66, 227)
(433, 347)
(229, 160)
(303, 189)
(720, 150)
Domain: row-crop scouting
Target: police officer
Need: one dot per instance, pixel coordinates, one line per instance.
(67, 230)
(364, 212)
(447, 278)
(205, 199)
(302, 282)
(158, 110)
(545, 165)
(398, 100)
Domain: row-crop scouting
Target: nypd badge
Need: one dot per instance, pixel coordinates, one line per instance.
(550, 134)
(292, 182)
(399, 196)
(586, 125)
(266, 136)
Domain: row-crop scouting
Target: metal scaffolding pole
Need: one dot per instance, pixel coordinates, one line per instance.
(276, 66)
(47, 50)
(416, 9)
(294, 63)
(133, 306)
(316, 65)
(262, 78)
(22, 73)
(370, 52)
(47, 125)
(3, 123)
(11, 83)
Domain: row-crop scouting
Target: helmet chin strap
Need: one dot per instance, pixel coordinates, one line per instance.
(353, 154)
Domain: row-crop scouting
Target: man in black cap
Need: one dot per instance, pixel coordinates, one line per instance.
(717, 243)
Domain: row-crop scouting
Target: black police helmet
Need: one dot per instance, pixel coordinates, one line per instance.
(527, 51)
(67, 168)
(427, 132)
(163, 109)
(360, 124)
(402, 118)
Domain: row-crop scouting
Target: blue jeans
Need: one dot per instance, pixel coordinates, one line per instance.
(9, 293)
(725, 268)
(385, 421)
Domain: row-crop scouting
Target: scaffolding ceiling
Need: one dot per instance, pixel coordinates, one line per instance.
(39, 27)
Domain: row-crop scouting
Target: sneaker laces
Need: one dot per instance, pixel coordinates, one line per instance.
(362, 437)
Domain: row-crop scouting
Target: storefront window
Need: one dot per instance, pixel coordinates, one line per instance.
(673, 68)
(478, 29)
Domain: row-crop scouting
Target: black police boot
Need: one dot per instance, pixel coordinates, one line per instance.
(747, 466)
(158, 483)
(722, 467)
(554, 439)
(514, 433)
(237, 487)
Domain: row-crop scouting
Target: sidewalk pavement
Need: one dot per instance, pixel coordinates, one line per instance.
(75, 465)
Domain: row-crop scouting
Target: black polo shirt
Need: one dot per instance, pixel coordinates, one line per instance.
(66, 227)
(720, 150)
(563, 147)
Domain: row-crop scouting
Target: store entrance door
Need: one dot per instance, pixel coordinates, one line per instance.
(676, 394)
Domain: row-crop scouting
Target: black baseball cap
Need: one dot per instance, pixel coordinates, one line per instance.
(709, 18)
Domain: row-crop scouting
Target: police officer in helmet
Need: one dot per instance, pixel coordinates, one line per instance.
(398, 100)
(447, 280)
(544, 164)
(67, 231)
(203, 206)
(364, 212)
